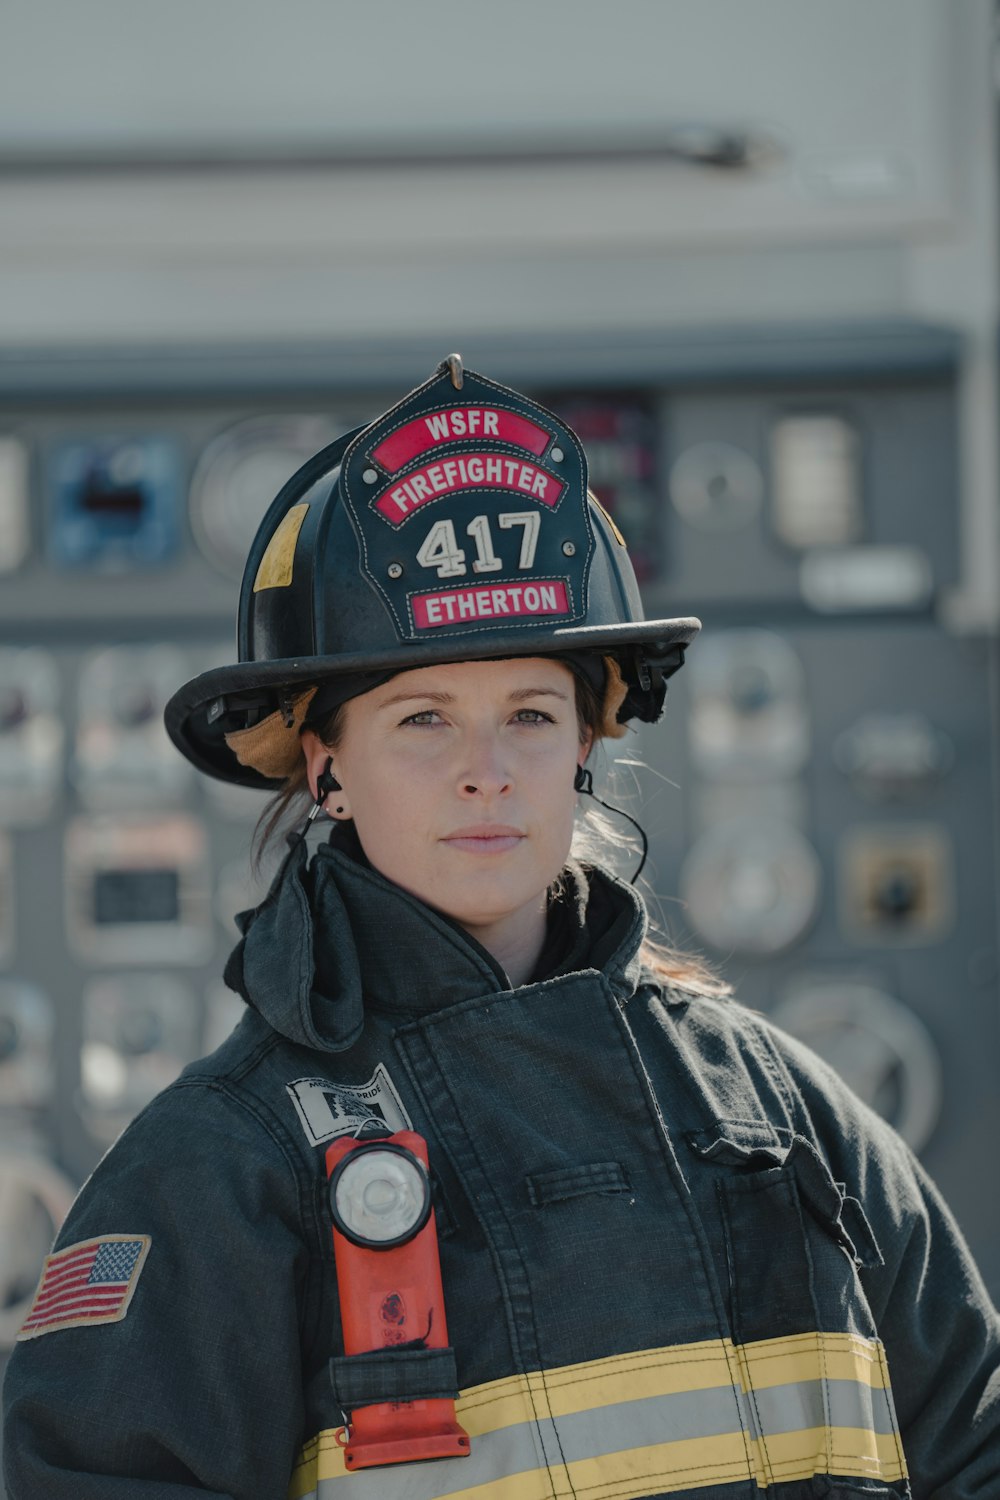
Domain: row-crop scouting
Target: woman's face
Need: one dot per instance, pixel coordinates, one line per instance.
(459, 779)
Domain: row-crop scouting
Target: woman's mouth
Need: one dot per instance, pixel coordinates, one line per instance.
(484, 838)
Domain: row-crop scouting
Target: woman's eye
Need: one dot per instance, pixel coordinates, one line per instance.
(425, 716)
(533, 716)
(428, 717)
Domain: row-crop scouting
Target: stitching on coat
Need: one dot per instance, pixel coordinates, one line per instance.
(725, 1471)
(823, 1367)
(735, 1292)
(635, 1365)
(562, 1184)
(564, 981)
(531, 1306)
(307, 962)
(442, 928)
(762, 1054)
(673, 1166)
(308, 1200)
(897, 1437)
(777, 1069)
(247, 1064)
(497, 1258)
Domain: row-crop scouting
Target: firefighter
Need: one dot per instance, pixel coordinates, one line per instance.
(677, 1255)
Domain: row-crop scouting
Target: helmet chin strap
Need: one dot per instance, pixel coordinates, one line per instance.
(583, 781)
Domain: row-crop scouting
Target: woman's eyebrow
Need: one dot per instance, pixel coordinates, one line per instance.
(537, 692)
(427, 697)
(517, 695)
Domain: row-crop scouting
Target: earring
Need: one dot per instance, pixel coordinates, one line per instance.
(583, 781)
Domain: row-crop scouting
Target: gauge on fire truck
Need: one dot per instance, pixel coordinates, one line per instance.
(877, 1044)
(15, 531)
(139, 1031)
(113, 503)
(893, 757)
(239, 474)
(138, 890)
(716, 486)
(896, 884)
(27, 1026)
(749, 717)
(751, 887)
(123, 756)
(31, 735)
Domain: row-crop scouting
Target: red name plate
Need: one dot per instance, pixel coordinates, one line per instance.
(457, 422)
(492, 601)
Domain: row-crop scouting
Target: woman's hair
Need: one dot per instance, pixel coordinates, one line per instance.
(288, 807)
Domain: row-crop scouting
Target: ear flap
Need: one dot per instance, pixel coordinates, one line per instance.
(615, 694)
(272, 747)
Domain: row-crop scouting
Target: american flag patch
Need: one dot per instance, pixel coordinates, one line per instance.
(91, 1282)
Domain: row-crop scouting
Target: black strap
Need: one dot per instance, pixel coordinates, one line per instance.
(393, 1375)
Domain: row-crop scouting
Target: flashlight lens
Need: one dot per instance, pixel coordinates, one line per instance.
(381, 1196)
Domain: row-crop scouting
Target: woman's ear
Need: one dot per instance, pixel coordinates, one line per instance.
(323, 784)
(586, 746)
(316, 755)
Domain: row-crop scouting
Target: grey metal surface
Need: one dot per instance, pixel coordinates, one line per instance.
(854, 347)
(858, 743)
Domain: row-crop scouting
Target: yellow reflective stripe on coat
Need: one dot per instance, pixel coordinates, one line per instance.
(653, 1422)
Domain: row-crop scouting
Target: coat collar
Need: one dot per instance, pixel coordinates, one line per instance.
(333, 938)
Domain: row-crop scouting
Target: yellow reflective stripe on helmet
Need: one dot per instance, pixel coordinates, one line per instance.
(653, 1421)
(275, 570)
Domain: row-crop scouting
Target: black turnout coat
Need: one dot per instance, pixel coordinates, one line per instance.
(679, 1256)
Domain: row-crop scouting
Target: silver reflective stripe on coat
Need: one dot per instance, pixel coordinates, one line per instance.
(656, 1421)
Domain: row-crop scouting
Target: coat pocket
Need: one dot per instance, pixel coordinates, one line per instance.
(793, 1238)
(790, 1241)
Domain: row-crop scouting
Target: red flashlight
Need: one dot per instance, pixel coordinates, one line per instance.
(389, 1278)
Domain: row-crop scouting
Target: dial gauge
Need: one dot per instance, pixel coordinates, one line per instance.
(238, 476)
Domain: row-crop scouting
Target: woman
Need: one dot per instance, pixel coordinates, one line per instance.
(677, 1254)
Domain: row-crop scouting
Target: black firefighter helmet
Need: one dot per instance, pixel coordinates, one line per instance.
(456, 527)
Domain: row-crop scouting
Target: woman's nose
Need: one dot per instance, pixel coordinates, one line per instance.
(484, 773)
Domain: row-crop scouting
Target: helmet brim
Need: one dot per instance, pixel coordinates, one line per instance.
(198, 715)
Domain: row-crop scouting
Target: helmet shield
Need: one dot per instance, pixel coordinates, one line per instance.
(458, 526)
(471, 512)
